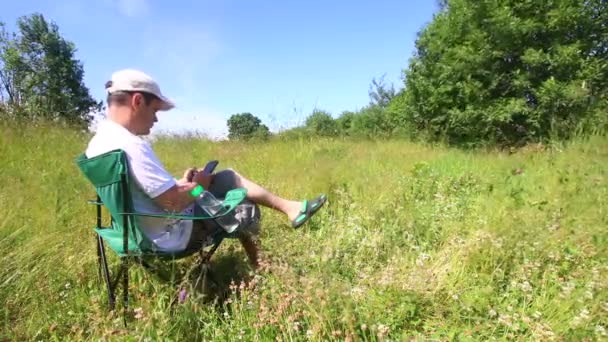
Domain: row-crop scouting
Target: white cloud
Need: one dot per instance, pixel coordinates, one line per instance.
(132, 8)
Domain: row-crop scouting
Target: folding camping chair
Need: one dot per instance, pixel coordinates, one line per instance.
(110, 176)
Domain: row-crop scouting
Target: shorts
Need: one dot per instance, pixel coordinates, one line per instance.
(205, 232)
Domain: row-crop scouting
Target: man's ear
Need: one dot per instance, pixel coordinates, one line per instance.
(136, 100)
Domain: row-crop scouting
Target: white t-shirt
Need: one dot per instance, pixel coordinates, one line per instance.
(149, 180)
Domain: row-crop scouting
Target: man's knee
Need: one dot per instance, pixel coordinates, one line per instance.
(225, 181)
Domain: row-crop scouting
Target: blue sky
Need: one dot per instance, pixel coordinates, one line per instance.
(276, 59)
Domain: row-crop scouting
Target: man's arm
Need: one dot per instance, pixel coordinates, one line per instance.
(154, 180)
(177, 198)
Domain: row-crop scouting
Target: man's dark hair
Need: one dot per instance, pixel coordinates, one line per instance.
(121, 97)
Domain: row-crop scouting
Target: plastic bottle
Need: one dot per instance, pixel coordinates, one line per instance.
(212, 206)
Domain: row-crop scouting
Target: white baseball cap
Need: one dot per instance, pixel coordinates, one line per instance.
(135, 80)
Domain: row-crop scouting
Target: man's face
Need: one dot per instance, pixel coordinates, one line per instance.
(145, 114)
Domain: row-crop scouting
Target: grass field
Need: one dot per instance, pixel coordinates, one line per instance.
(416, 242)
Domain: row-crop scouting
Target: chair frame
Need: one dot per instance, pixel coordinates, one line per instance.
(103, 270)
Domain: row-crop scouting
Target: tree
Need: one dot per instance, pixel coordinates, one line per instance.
(379, 93)
(40, 76)
(11, 69)
(371, 122)
(321, 123)
(396, 114)
(246, 126)
(345, 122)
(509, 71)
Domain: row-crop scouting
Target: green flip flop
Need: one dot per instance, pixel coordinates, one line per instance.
(309, 208)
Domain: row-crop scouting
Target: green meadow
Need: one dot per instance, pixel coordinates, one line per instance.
(416, 242)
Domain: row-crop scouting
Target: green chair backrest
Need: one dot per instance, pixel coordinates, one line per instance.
(109, 174)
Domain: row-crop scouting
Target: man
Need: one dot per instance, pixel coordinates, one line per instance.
(133, 99)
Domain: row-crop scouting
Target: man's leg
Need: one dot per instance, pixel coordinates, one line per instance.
(258, 194)
(251, 248)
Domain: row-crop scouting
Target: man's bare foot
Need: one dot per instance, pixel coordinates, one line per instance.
(294, 210)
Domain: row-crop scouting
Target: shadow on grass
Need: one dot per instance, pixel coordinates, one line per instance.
(205, 283)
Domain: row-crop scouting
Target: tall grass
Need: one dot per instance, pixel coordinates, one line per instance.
(415, 242)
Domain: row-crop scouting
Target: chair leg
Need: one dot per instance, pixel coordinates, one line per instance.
(103, 266)
(111, 285)
(125, 287)
(97, 239)
(205, 268)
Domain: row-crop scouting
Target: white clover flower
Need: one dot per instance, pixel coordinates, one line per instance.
(567, 288)
(526, 287)
(582, 316)
(139, 313)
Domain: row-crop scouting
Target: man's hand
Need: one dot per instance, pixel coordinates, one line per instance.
(202, 179)
(189, 174)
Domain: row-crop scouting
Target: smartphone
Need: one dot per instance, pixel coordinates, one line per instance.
(210, 167)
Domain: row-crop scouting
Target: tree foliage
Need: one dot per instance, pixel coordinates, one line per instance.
(380, 94)
(345, 121)
(321, 123)
(371, 122)
(40, 76)
(246, 126)
(508, 71)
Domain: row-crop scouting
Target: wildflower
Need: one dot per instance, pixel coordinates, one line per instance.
(504, 320)
(537, 315)
(139, 313)
(422, 258)
(492, 313)
(363, 327)
(567, 289)
(356, 291)
(183, 294)
(582, 316)
(526, 287)
(600, 330)
(383, 330)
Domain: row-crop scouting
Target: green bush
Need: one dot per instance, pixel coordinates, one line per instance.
(345, 122)
(246, 126)
(321, 123)
(508, 72)
(372, 122)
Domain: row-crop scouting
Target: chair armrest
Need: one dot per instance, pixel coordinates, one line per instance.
(170, 216)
